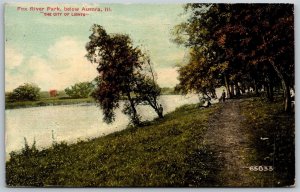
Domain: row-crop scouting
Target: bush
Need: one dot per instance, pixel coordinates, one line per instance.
(80, 90)
(26, 92)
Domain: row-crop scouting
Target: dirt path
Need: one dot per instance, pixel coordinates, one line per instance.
(229, 141)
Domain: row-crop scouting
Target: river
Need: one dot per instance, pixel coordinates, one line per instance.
(71, 123)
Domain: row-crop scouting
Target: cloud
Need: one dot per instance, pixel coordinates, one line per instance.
(12, 81)
(13, 60)
(62, 63)
(39, 72)
(167, 77)
(150, 21)
(64, 66)
(13, 57)
(170, 59)
(67, 57)
(65, 52)
(54, 22)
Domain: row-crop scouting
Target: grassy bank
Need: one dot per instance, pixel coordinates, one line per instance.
(273, 137)
(164, 152)
(46, 102)
(62, 99)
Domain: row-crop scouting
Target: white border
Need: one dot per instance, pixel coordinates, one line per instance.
(3, 187)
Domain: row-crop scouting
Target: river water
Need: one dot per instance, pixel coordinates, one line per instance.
(71, 123)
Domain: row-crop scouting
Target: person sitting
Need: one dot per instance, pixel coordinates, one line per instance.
(160, 111)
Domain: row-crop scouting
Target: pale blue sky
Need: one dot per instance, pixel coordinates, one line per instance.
(49, 51)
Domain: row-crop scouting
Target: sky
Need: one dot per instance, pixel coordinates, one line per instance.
(49, 51)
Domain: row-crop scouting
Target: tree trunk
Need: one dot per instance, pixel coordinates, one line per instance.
(227, 87)
(266, 87)
(232, 90)
(213, 94)
(159, 112)
(271, 91)
(158, 109)
(134, 116)
(243, 88)
(256, 88)
(237, 89)
(286, 89)
(287, 99)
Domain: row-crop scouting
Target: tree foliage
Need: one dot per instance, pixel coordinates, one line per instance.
(238, 46)
(121, 74)
(80, 90)
(25, 92)
(146, 89)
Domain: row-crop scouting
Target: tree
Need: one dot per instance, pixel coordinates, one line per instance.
(26, 92)
(80, 90)
(276, 45)
(255, 41)
(198, 76)
(146, 89)
(207, 67)
(121, 74)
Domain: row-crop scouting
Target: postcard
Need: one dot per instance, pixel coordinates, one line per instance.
(149, 95)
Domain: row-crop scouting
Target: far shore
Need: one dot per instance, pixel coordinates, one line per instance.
(48, 101)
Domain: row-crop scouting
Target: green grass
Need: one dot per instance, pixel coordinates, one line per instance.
(47, 102)
(267, 120)
(164, 152)
(61, 99)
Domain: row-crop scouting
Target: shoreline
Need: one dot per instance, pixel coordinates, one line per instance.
(42, 104)
(81, 107)
(56, 101)
(174, 151)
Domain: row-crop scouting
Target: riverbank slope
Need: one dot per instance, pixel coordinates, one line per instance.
(179, 150)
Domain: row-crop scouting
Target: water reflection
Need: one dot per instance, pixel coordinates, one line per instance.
(72, 122)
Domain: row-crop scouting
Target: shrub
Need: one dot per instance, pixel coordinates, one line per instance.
(80, 90)
(26, 92)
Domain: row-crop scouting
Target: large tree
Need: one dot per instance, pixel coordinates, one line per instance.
(255, 41)
(120, 67)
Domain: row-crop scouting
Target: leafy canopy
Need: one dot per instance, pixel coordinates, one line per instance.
(25, 92)
(80, 90)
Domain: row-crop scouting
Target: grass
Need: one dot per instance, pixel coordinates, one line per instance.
(273, 137)
(62, 99)
(164, 152)
(46, 102)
